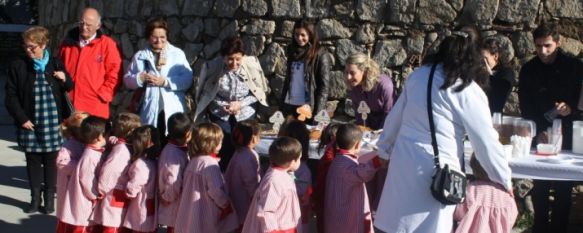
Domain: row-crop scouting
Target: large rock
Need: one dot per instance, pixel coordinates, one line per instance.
(255, 7)
(401, 11)
(316, 8)
(565, 8)
(226, 8)
(345, 48)
(481, 12)
(230, 29)
(517, 11)
(286, 8)
(259, 26)
(371, 10)
(136, 28)
(365, 34)
(192, 51)
(211, 27)
(389, 53)
(287, 29)
(147, 8)
(330, 28)
(196, 7)
(415, 43)
(523, 44)
(254, 45)
(435, 12)
(127, 46)
(112, 9)
(571, 46)
(337, 85)
(174, 28)
(169, 7)
(211, 49)
(121, 26)
(131, 8)
(272, 59)
(192, 31)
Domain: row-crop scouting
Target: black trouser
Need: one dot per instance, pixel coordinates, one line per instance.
(227, 148)
(560, 207)
(161, 126)
(39, 165)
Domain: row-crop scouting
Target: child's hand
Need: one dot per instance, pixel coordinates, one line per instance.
(225, 212)
(112, 140)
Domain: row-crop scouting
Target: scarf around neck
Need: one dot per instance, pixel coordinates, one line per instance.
(297, 53)
(40, 64)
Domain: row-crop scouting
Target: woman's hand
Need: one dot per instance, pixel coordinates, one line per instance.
(563, 108)
(156, 81)
(60, 75)
(234, 107)
(28, 125)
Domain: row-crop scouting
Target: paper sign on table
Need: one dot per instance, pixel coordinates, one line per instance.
(277, 120)
(322, 118)
(363, 110)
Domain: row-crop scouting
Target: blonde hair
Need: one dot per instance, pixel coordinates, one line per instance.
(36, 34)
(367, 65)
(124, 123)
(206, 137)
(70, 128)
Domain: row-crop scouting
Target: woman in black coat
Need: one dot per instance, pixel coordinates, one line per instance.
(502, 76)
(35, 98)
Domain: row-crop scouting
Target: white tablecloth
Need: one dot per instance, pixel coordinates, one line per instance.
(263, 148)
(539, 167)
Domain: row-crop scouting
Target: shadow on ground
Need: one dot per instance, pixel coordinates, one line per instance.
(30, 224)
(14, 176)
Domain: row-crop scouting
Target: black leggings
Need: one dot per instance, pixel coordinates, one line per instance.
(39, 165)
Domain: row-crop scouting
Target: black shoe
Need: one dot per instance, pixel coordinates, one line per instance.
(34, 202)
(49, 198)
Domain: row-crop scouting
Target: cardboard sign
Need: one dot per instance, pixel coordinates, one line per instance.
(322, 118)
(277, 119)
(363, 110)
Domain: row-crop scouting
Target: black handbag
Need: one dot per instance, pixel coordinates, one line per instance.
(448, 184)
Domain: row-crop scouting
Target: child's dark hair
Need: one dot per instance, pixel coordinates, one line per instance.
(327, 134)
(91, 128)
(244, 131)
(206, 137)
(298, 130)
(179, 125)
(284, 150)
(124, 123)
(145, 141)
(477, 169)
(347, 136)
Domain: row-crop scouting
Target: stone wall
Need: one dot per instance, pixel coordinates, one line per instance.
(394, 32)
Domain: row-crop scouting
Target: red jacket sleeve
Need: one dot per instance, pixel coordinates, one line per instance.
(112, 71)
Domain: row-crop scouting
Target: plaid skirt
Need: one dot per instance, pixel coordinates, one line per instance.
(46, 136)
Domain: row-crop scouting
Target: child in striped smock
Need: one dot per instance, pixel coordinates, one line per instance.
(141, 187)
(82, 194)
(242, 175)
(67, 160)
(204, 204)
(171, 165)
(488, 207)
(303, 176)
(275, 206)
(346, 206)
(110, 212)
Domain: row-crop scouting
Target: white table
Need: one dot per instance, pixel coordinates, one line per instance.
(263, 148)
(538, 167)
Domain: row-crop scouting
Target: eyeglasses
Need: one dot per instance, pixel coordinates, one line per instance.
(29, 47)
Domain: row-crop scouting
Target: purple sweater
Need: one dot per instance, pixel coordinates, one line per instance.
(379, 100)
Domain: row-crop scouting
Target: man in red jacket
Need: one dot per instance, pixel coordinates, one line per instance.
(94, 62)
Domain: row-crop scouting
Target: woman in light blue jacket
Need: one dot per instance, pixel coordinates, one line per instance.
(162, 72)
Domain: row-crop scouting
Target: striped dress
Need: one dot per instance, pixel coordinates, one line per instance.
(67, 160)
(141, 190)
(171, 165)
(46, 136)
(242, 179)
(346, 206)
(112, 180)
(275, 206)
(82, 189)
(203, 196)
(488, 208)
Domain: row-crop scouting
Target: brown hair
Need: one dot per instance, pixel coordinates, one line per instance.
(124, 123)
(158, 22)
(347, 136)
(298, 130)
(145, 141)
(244, 131)
(313, 39)
(206, 137)
(232, 45)
(91, 128)
(284, 150)
(36, 34)
(328, 134)
(71, 127)
(477, 169)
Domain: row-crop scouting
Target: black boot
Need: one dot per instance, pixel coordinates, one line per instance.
(34, 201)
(49, 198)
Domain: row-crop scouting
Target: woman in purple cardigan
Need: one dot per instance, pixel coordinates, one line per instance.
(367, 84)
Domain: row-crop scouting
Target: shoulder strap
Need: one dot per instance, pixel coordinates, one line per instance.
(430, 115)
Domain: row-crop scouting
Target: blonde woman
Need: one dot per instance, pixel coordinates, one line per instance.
(367, 84)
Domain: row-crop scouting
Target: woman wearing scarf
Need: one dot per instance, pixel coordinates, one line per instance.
(161, 72)
(35, 98)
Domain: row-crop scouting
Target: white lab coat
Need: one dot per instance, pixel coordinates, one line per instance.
(406, 203)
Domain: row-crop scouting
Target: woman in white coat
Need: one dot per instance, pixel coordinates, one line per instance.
(460, 108)
(162, 73)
